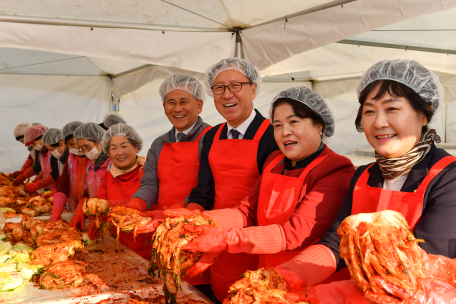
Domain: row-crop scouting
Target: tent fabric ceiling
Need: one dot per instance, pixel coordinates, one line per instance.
(223, 13)
(271, 43)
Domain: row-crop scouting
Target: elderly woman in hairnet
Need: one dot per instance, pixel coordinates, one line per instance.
(88, 138)
(110, 119)
(122, 144)
(19, 132)
(51, 141)
(411, 175)
(42, 165)
(285, 211)
(71, 187)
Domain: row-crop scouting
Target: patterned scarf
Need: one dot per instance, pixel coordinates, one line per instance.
(393, 168)
(100, 160)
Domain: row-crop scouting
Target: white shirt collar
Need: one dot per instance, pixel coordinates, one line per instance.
(185, 131)
(242, 128)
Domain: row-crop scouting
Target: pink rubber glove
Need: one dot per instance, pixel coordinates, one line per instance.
(313, 265)
(157, 217)
(255, 240)
(57, 206)
(204, 262)
(227, 218)
(340, 292)
(78, 217)
(137, 203)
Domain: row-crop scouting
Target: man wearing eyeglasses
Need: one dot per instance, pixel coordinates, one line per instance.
(19, 132)
(232, 157)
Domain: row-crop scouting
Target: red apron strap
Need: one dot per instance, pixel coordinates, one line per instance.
(362, 180)
(203, 132)
(274, 162)
(262, 129)
(219, 131)
(435, 170)
(312, 165)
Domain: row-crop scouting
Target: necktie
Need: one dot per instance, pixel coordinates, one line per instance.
(235, 133)
(180, 136)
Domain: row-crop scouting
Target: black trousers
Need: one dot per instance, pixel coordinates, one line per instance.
(207, 291)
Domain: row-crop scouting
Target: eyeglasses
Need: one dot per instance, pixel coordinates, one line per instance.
(85, 149)
(232, 87)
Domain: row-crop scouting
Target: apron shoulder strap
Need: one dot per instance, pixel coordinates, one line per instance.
(219, 131)
(262, 129)
(435, 170)
(311, 166)
(274, 162)
(203, 132)
(362, 180)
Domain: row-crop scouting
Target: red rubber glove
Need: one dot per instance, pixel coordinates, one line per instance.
(179, 212)
(179, 205)
(340, 292)
(94, 232)
(19, 180)
(78, 217)
(137, 203)
(32, 187)
(255, 240)
(157, 218)
(193, 206)
(15, 173)
(205, 261)
(57, 206)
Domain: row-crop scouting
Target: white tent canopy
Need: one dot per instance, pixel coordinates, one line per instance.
(125, 48)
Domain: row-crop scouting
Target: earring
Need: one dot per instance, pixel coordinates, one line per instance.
(321, 133)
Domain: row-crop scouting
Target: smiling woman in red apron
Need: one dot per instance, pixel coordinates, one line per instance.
(285, 211)
(122, 144)
(232, 157)
(88, 137)
(411, 175)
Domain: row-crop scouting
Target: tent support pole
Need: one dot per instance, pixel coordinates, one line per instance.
(239, 52)
(397, 46)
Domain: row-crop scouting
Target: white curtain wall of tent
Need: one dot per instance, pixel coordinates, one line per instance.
(62, 61)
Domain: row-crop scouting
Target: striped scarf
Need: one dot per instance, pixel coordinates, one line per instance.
(393, 168)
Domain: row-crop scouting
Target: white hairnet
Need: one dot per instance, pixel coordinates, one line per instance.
(408, 72)
(124, 130)
(182, 82)
(36, 124)
(314, 101)
(113, 118)
(69, 128)
(32, 133)
(20, 129)
(52, 136)
(90, 131)
(237, 64)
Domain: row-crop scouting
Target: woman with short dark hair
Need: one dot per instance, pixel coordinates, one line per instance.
(298, 195)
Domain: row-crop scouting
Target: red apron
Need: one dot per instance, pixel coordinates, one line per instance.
(368, 199)
(277, 201)
(46, 167)
(234, 168)
(177, 171)
(124, 190)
